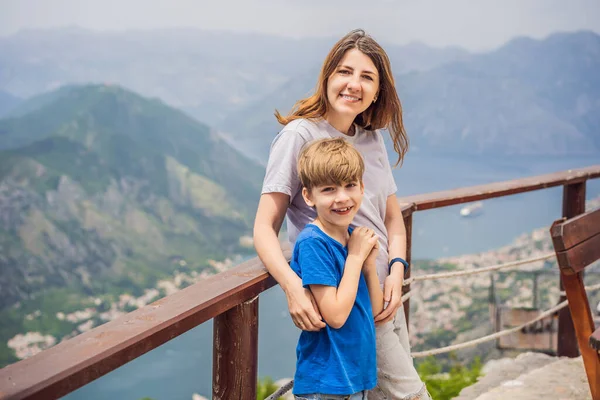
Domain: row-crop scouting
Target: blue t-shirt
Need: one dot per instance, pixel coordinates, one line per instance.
(333, 361)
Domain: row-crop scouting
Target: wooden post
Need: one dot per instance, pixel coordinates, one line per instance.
(408, 225)
(573, 205)
(580, 310)
(235, 352)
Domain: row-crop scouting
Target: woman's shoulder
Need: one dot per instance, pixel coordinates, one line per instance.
(299, 130)
(302, 126)
(373, 133)
(371, 136)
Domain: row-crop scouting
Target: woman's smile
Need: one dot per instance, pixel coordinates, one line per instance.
(352, 99)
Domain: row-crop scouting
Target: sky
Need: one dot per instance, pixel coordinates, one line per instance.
(472, 24)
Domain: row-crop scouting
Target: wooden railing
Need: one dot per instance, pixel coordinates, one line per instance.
(576, 242)
(231, 298)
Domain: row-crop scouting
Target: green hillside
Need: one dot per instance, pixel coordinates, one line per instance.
(103, 191)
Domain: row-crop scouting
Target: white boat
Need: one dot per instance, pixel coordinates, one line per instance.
(472, 210)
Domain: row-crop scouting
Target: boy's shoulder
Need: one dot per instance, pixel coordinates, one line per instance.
(313, 237)
(311, 232)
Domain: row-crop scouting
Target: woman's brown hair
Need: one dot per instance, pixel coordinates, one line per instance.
(385, 113)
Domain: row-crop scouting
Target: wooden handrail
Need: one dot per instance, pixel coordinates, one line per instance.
(71, 364)
(78, 361)
(499, 189)
(568, 234)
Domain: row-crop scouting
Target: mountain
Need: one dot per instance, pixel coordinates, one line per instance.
(7, 102)
(208, 74)
(105, 190)
(530, 96)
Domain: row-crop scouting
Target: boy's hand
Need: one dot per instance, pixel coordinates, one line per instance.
(370, 262)
(361, 243)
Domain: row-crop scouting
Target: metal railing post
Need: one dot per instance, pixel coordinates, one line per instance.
(573, 205)
(235, 352)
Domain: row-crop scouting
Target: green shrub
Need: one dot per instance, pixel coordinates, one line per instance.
(447, 385)
(265, 387)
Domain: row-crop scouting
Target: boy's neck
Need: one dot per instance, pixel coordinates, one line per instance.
(336, 232)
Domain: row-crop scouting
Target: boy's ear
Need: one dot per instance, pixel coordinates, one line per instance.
(362, 187)
(306, 196)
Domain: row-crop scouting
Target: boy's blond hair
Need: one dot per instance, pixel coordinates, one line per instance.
(329, 161)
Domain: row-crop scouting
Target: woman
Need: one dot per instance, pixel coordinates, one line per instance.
(354, 97)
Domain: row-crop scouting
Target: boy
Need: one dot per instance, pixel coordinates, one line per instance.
(337, 264)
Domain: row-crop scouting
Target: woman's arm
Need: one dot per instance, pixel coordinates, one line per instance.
(392, 286)
(375, 292)
(370, 272)
(269, 218)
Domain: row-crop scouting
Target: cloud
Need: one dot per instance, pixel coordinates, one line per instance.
(472, 24)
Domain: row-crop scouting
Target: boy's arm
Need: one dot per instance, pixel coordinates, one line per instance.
(335, 303)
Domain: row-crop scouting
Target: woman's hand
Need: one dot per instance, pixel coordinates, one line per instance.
(303, 308)
(392, 294)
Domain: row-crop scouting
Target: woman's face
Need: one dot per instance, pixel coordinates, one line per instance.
(352, 87)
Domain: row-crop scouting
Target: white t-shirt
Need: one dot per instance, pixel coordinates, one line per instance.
(282, 177)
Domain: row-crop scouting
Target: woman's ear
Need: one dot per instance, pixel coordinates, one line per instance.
(306, 196)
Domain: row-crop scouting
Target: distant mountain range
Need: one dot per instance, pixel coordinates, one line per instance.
(537, 97)
(207, 74)
(100, 187)
(528, 97)
(7, 103)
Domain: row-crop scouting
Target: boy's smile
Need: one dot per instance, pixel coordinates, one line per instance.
(343, 211)
(336, 206)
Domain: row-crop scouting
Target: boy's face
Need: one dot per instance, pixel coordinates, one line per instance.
(335, 204)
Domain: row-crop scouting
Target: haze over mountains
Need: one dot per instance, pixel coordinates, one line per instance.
(528, 97)
(7, 103)
(208, 74)
(537, 97)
